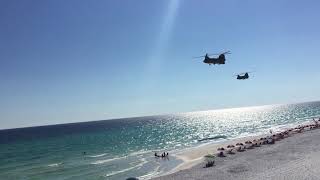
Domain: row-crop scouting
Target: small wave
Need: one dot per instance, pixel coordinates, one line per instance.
(215, 137)
(143, 161)
(141, 152)
(98, 155)
(124, 170)
(118, 172)
(106, 160)
(274, 128)
(279, 128)
(151, 174)
(54, 165)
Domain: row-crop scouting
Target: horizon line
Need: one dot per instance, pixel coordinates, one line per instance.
(131, 117)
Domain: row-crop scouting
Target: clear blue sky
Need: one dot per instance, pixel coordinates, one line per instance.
(76, 60)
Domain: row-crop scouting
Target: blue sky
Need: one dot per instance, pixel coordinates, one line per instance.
(76, 60)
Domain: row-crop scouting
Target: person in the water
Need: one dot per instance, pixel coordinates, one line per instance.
(164, 154)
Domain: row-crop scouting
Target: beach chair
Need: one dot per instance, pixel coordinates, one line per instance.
(221, 154)
(230, 149)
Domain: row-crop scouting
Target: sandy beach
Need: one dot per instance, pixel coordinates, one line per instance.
(295, 157)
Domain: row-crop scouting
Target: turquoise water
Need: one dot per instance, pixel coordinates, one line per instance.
(117, 149)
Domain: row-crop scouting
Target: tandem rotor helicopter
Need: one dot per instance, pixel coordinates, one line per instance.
(243, 76)
(221, 59)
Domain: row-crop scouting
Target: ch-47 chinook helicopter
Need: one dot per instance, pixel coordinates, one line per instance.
(243, 76)
(221, 59)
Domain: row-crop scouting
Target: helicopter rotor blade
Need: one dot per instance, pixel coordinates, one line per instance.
(245, 73)
(237, 74)
(213, 54)
(197, 57)
(227, 52)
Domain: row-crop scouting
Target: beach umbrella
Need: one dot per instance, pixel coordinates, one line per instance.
(221, 149)
(230, 146)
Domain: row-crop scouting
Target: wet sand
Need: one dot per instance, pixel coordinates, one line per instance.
(294, 158)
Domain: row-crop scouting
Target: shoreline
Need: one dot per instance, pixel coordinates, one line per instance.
(194, 157)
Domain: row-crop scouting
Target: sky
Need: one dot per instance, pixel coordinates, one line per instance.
(78, 60)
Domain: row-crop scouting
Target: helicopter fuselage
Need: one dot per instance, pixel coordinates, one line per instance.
(246, 76)
(220, 60)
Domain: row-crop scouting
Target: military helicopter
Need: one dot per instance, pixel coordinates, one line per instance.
(243, 76)
(221, 59)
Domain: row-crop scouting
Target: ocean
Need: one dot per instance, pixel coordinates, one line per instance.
(118, 149)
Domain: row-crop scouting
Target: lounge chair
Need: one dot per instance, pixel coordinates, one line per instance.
(230, 150)
(240, 149)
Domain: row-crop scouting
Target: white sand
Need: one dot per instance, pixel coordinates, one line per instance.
(294, 158)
